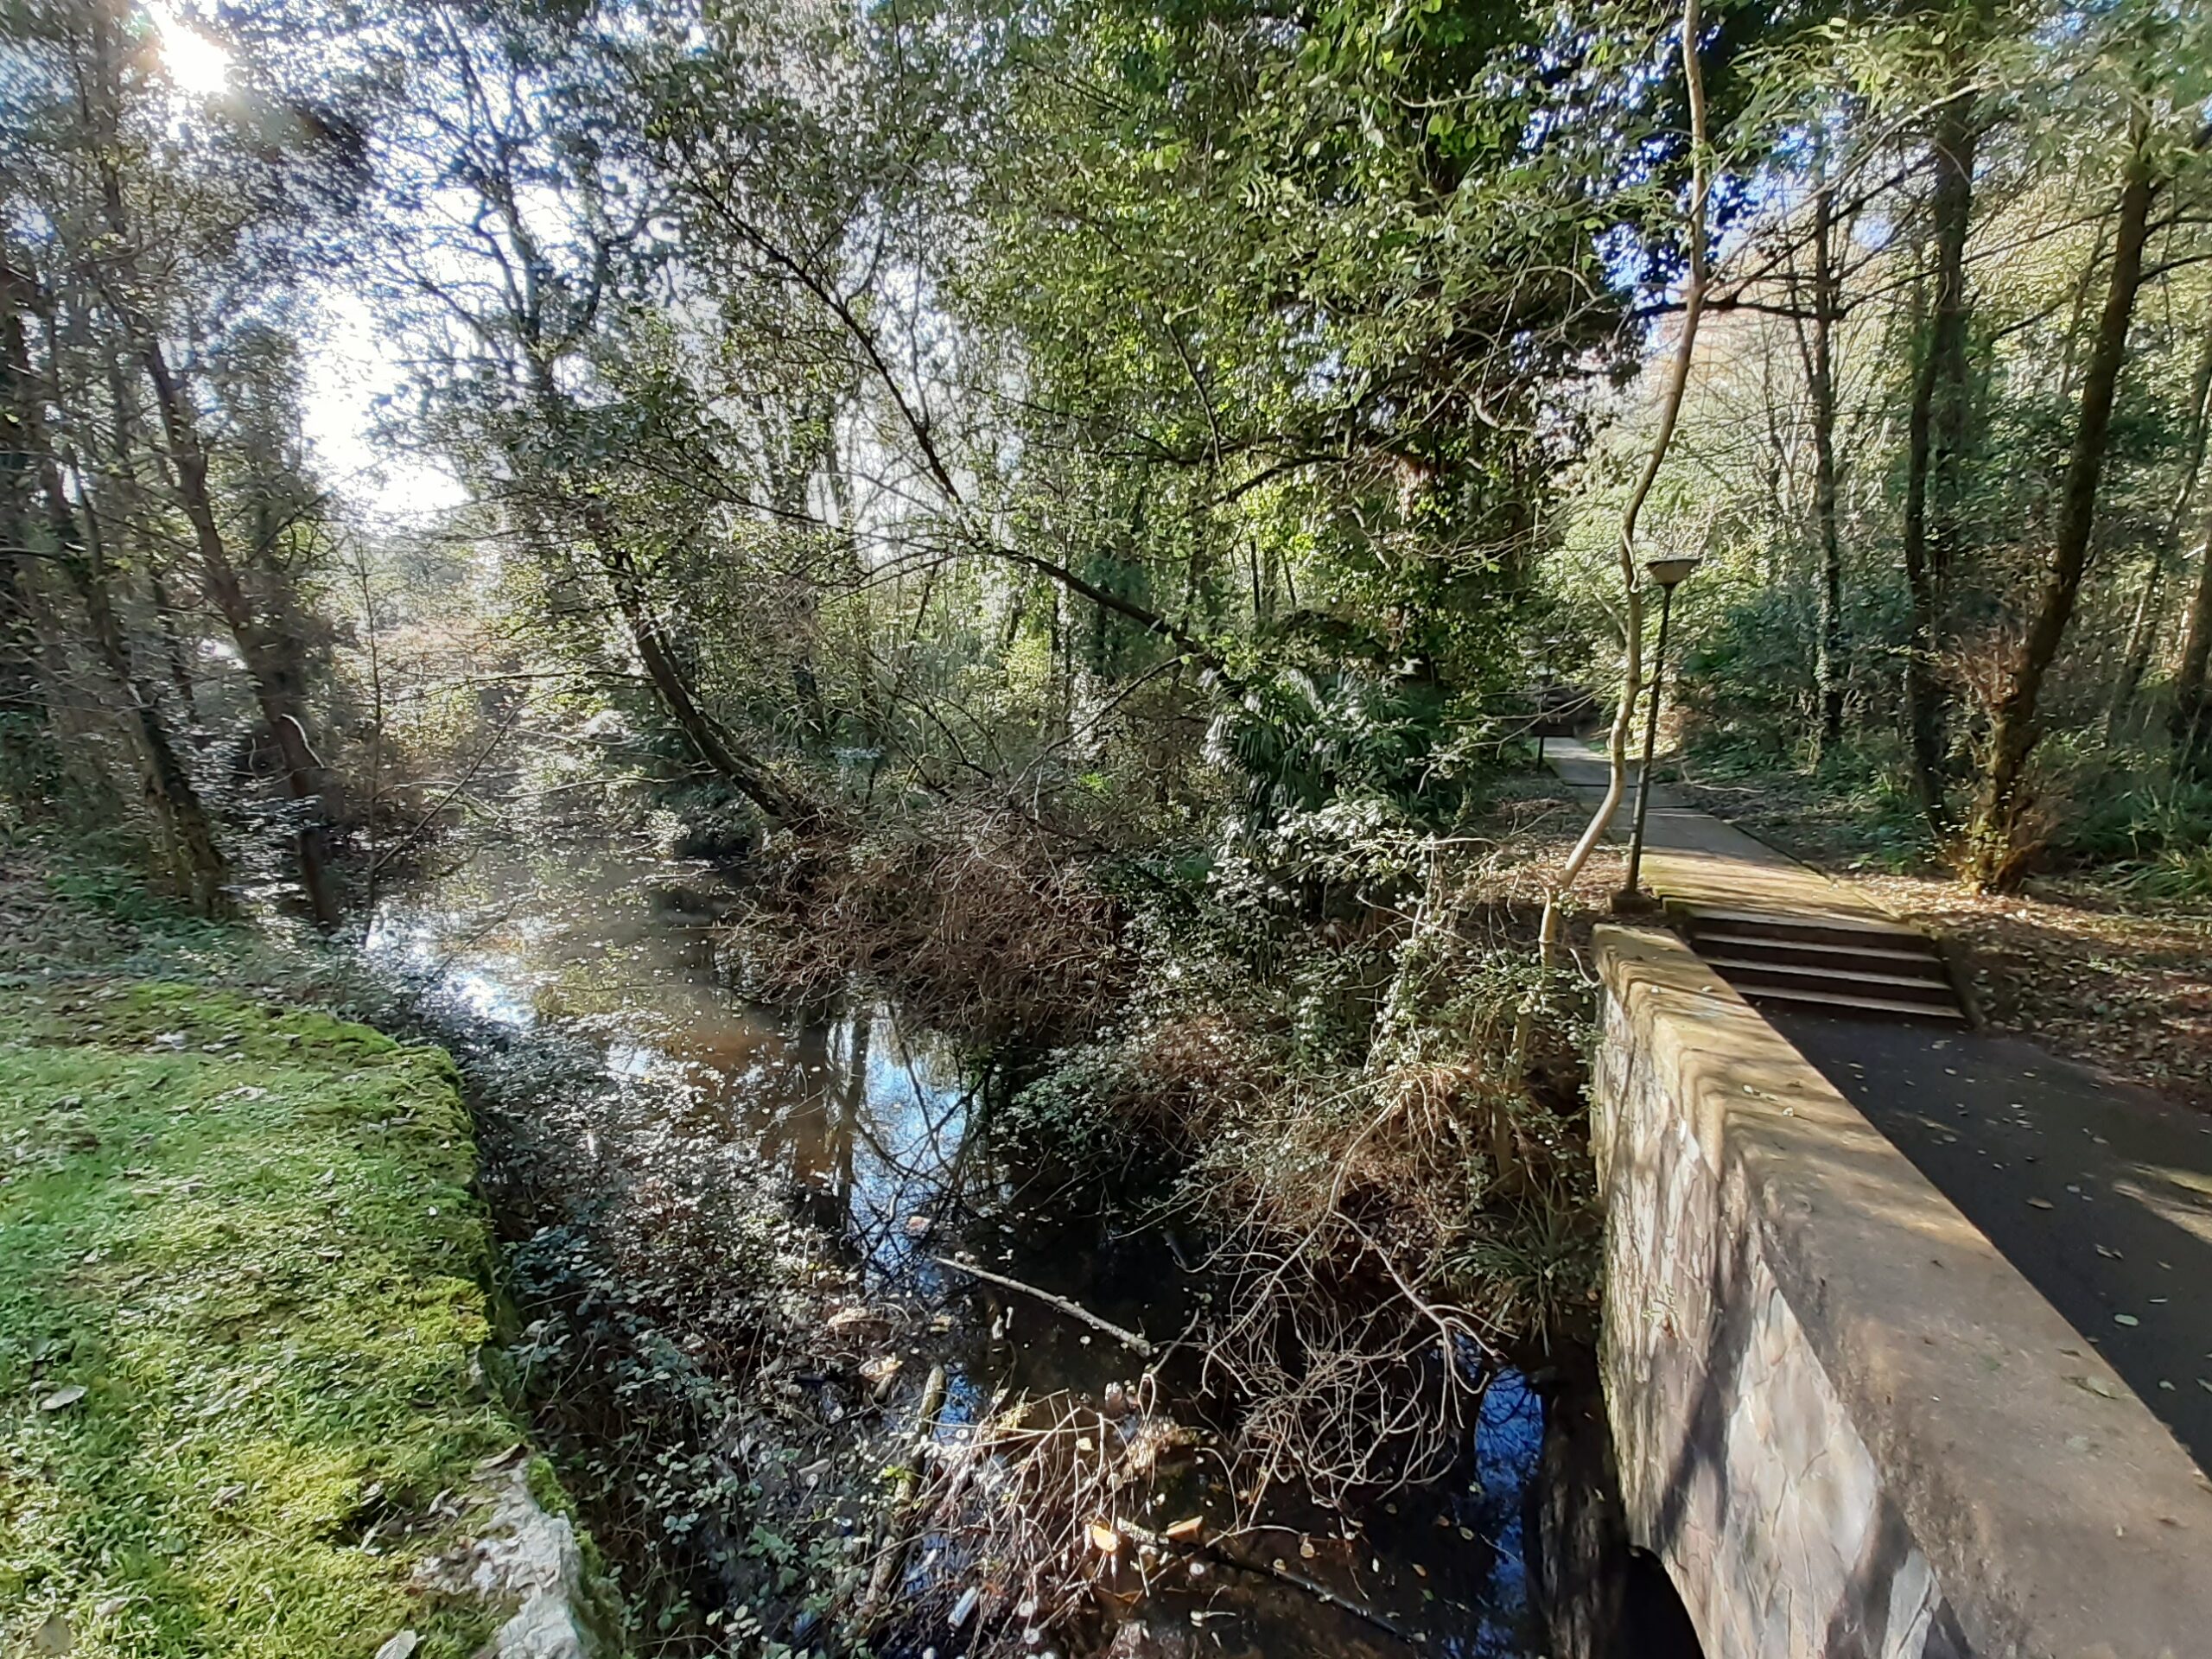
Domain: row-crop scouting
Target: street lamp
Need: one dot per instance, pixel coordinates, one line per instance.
(1669, 573)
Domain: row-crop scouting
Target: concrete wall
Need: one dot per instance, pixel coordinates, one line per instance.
(1844, 1423)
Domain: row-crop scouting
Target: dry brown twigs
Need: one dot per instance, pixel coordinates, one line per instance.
(983, 926)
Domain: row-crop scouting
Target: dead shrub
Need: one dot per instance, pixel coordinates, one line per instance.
(1381, 1234)
(1360, 1227)
(979, 919)
(1022, 1514)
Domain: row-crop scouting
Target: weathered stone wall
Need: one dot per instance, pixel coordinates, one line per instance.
(1846, 1425)
(1739, 1464)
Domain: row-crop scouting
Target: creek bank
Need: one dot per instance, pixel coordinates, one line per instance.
(247, 1328)
(723, 1226)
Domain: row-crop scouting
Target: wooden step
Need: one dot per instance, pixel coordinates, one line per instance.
(1802, 929)
(1841, 964)
(1899, 948)
(1770, 976)
(1833, 1002)
(1854, 925)
(1836, 959)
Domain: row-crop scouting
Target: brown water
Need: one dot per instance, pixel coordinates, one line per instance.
(874, 1124)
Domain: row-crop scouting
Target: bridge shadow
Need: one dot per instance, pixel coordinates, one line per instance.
(2100, 1194)
(1601, 1596)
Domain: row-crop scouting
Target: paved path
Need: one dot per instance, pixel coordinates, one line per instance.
(1693, 856)
(2099, 1193)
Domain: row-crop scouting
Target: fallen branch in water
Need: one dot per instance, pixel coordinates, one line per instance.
(1073, 1310)
(1280, 1572)
(899, 1520)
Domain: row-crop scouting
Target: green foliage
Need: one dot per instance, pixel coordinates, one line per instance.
(1073, 1111)
(1300, 744)
(2128, 815)
(1854, 800)
(120, 894)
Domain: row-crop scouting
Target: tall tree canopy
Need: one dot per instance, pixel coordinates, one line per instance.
(1212, 410)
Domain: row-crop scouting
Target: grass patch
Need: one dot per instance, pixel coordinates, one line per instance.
(247, 1237)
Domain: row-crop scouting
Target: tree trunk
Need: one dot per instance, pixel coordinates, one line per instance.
(1821, 384)
(123, 465)
(29, 751)
(748, 775)
(1936, 430)
(170, 797)
(187, 838)
(2143, 631)
(1996, 857)
(1694, 295)
(180, 665)
(2190, 723)
(270, 662)
(2135, 655)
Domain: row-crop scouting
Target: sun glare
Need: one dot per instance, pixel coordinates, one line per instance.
(195, 63)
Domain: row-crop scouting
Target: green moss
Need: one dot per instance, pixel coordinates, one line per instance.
(248, 1237)
(545, 1487)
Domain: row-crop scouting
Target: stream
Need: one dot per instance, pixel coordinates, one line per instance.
(867, 1124)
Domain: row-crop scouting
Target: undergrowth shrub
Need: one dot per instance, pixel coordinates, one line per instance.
(2132, 813)
(1305, 1030)
(1391, 1207)
(982, 923)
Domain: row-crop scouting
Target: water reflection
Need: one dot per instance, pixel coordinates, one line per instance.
(875, 1126)
(866, 1119)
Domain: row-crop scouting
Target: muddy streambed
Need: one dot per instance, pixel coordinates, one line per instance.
(685, 1104)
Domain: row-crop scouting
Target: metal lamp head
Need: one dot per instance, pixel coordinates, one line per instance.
(1669, 572)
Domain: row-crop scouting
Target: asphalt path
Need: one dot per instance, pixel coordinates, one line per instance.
(2098, 1192)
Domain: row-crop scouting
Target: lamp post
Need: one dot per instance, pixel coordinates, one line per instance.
(1669, 573)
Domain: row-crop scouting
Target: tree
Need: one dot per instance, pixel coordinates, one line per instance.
(166, 237)
(1696, 293)
(1995, 849)
(1818, 343)
(2190, 722)
(186, 836)
(551, 261)
(2144, 627)
(1939, 414)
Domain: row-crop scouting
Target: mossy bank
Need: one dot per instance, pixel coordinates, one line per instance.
(250, 1403)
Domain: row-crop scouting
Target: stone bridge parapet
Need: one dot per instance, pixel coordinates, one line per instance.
(1844, 1423)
